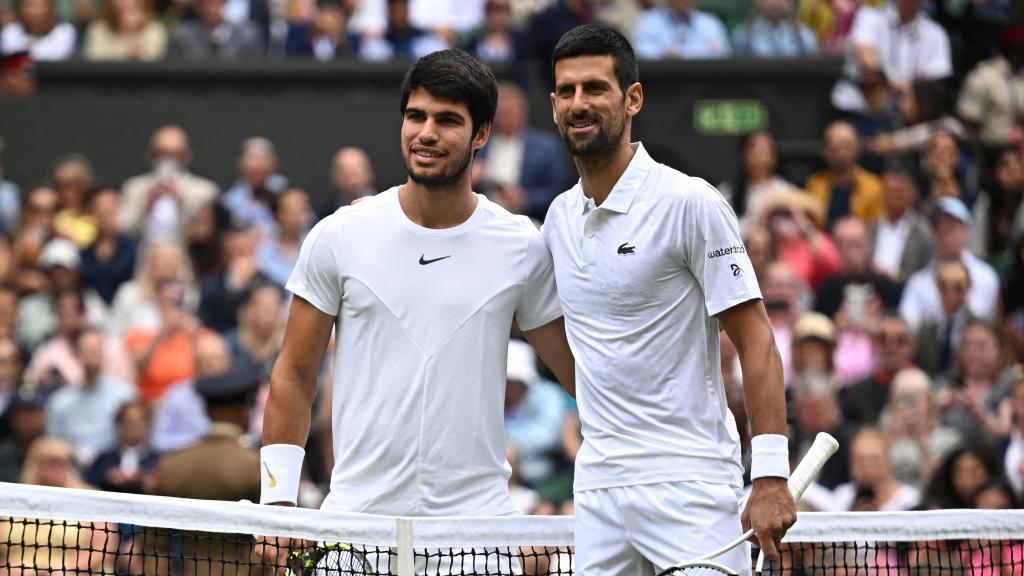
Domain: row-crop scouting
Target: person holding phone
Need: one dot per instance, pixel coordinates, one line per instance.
(166, 355)
(872, 486)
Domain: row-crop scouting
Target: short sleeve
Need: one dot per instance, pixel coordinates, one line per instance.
(939, 61)
(538, 304)
(715, 253)
(316, 277)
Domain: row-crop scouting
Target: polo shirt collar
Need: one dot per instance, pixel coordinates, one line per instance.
(625, 190)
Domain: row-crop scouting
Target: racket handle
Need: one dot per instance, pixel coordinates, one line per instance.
(823, 448)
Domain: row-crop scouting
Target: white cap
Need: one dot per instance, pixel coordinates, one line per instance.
(522, 362)
(60, 252)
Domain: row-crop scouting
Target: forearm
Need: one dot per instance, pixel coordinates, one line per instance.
(287, 416)
(763, 388)
(552, 346)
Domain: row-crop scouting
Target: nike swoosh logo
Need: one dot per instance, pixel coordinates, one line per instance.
(424, 262)
(273, 481)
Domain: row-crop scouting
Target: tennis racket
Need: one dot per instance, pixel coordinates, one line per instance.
(823, 448)
(334, 559)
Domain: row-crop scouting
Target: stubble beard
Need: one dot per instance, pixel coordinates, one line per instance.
(607, 137)
(444, 178)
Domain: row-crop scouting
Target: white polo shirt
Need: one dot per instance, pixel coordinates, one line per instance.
(918, 50)
(424, 318)
(640, 279)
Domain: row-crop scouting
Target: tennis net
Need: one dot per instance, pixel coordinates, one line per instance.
(48, 531)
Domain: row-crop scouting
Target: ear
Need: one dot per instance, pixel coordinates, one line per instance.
(634, 99)
(482, 135)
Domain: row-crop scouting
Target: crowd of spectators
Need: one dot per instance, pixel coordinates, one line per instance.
(495, 30)
(893, 277)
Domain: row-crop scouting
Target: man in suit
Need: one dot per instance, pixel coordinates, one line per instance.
(213, 36)
(901, 239)
(220, 466)
(939, 339)
(160, 203)
(527, 167)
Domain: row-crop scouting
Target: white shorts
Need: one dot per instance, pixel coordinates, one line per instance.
(642, 530)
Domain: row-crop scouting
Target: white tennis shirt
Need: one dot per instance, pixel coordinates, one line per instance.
(421, 341)
(640, 279)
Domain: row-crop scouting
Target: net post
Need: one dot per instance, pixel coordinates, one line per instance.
(406, 554)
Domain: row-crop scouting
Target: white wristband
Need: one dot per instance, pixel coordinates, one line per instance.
(280, 470)
(769, 456)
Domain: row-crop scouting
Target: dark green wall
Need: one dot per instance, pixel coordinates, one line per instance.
(108, 111)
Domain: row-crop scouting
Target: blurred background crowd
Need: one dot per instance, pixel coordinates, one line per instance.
(140, 314)
(494, 30)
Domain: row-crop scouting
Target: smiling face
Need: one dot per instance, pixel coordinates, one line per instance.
(589, 107)
(438, 140)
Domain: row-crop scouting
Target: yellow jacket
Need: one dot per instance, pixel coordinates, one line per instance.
(865, 200)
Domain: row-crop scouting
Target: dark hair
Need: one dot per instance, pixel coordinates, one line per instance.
(742, 182)
(940, 492)
(1000, 483)
(128, 405)
(97, 191)
(1013, 287)
(74, 293)
(931, 98)
(897, 167)
(254, 287)
(9, 288)
(276, 199)
(457, 76)
(600, 40)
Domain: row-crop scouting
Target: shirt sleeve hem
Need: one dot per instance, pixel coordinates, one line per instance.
(731, 303)
(546, 319)
(316, 301)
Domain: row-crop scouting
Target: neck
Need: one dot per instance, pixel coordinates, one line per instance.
(894, 216)
(842, 174)
(980, 380)
(885, 490)
(758, 176)
(948, 254)
(288, 237)
(438, 208)
(907, 16)
(91, 380)
(599, 173)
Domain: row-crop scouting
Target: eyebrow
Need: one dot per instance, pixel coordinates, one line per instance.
(450, 115)
(588, 82)
(443, 114)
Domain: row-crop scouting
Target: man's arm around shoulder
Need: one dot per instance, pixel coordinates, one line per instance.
(552, 346)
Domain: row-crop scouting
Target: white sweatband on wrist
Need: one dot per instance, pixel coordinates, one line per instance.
(769, 456)
(280, 470)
